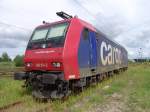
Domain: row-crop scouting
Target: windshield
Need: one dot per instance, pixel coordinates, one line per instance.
(57, 31)
(52, 36)
(39, 34)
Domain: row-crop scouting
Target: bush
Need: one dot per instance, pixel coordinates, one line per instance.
(5, 57)
(18, 60)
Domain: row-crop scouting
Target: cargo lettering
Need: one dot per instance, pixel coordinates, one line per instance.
(109, 54)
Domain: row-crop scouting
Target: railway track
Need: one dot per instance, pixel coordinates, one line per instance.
(9, 73)
(6, 76)
(9, 106)
(1, 76)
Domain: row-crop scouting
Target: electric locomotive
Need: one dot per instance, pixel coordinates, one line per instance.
(67, 55)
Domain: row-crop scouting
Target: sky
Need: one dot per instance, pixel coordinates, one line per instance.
(125, 21)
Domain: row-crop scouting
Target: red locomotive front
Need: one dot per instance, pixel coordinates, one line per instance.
(45, 48)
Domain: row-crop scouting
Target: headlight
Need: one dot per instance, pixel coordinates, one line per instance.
(28, 64)
(56, 64)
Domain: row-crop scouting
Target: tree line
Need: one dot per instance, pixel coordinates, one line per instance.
(18, 60)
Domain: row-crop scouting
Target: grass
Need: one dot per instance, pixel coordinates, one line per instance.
(90, 97)
(10, 91)
(140, 91)
(133, 85)
(8, 67)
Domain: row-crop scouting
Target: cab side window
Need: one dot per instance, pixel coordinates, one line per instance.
(85, 34)
(97, 36)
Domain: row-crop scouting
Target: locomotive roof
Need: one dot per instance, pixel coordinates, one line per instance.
(52, 23)
(84, 23)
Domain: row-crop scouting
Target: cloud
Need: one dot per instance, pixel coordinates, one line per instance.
(14, 33)
(127, 22)
(11, 43)
(136, 38)
(12, 36)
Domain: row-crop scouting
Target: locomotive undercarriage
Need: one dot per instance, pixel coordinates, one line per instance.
(53, 86)
(45, 85)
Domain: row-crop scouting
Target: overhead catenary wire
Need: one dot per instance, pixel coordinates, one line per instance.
(16, 26)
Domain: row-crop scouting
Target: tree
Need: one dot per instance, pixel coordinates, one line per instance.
(5, 57)
(19, 60)
(0, 59)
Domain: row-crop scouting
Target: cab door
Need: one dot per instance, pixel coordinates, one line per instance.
(93, 50)
(87, 52)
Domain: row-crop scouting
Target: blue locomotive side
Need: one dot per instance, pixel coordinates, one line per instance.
(111, 56)
(98, 54)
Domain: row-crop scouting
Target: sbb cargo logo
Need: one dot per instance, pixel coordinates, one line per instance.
(109, 54)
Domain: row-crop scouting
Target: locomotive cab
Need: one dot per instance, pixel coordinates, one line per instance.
(45, 48)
